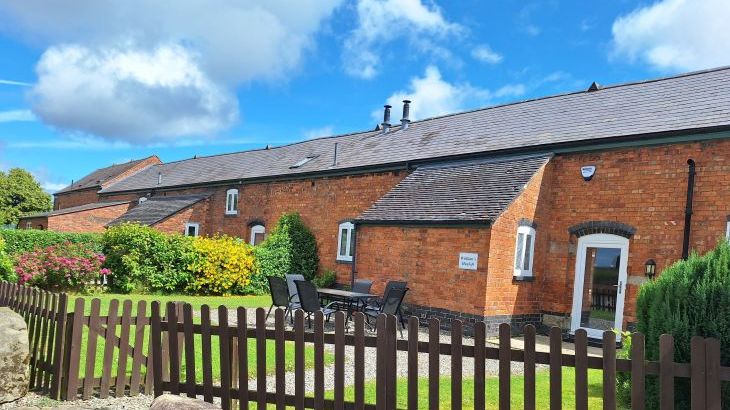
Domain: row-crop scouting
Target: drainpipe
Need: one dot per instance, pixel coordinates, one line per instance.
(354, 253)
(688, 208)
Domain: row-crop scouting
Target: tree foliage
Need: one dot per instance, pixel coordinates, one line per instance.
(290, 248)
(20, 194)
(690, 298)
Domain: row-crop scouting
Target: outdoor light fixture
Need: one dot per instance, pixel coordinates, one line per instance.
(650, 268)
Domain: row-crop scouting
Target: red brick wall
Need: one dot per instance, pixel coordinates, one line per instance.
(428, 259)
(93, 220)
(503, 295)
(322, 202)
(75, 198)
(40, 222)
(197, 213)
(642, 187)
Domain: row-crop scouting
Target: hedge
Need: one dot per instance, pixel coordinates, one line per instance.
(18, 241)
(690, 298)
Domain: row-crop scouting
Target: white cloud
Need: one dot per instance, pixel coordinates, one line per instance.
(52, 187)
(485, 54)
(209, 48)
(16, 115)
(675, 34)
(86, 143)
(431, 96)
(129, 94)
(325, 131)
(383, 21)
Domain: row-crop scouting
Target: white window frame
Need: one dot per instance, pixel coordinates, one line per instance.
(29, 225)
(256, 229)
(523, 232)
(232, 202)
(349, 229)
(141, 199)
(192, 225)
(727, 231)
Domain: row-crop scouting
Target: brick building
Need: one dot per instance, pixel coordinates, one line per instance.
(550, 210)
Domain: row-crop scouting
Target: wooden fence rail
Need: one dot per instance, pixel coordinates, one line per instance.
(156, 349)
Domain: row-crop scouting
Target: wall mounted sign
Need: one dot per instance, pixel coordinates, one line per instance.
(468, 260)
(588, 171)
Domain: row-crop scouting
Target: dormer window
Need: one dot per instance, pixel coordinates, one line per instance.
(303, 161)
(232, 202)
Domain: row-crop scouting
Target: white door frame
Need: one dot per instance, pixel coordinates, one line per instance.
(599, 240)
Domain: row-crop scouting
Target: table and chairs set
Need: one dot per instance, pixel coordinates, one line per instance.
(295, 292)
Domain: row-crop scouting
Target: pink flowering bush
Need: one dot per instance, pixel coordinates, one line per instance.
(66, 266)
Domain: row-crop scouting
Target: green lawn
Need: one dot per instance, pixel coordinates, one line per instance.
(542, 388)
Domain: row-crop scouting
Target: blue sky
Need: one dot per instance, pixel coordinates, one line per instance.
(87, 84)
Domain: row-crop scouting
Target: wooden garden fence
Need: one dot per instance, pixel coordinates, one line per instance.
(156, 352)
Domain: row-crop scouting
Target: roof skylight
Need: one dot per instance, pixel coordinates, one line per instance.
(304, 161)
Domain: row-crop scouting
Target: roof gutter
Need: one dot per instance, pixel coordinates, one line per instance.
(646, 139)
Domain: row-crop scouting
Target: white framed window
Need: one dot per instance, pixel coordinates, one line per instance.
(346, 242)
(232, 202)
(727, 231)
(192, 229)
(29, 225)
(258, 233)
(524, 251)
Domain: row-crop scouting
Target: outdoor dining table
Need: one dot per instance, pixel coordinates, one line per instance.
(345, 297)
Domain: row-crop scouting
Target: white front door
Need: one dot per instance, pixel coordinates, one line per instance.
(600, 284)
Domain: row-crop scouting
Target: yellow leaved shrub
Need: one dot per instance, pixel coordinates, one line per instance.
(222, 266)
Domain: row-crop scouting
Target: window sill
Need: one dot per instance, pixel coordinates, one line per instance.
(343, 261)
(227, 215)
(523, 279)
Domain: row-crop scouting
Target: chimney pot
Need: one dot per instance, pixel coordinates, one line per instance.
(406, 113)
(386, 119)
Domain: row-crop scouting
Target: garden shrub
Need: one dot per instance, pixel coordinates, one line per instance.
(222, 265)
(325, 280)
(689, 298)
(290, 248)
(66, 266)
(19, 241)
(144, 259)
(6, 264)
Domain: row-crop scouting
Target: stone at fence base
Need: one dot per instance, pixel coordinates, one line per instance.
(172, 402)
(14, 356)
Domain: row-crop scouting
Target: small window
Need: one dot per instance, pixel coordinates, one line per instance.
(303, 161)
(346, 242)
(524, 251)
(192, 229)
(232, 202)
(727, 230)
(142, 199)
(29, 225)
(258, 233)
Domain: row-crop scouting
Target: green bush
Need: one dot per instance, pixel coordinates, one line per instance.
(325, 280)
(290, 248)
(19, 241)
(690, 298)
(144, 259)
(6, 264)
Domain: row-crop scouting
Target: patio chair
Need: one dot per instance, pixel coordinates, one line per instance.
(280, 296)
(362, 286)
(390, 306)
(309, 300)
(290, 278)
(375, 304)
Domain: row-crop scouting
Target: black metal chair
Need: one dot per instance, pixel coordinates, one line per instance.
(390, 306)
(375, 304)
(309, 300)
(362, 286)
(279, 295)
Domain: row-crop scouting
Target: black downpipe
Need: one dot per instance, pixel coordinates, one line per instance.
(354, 253)
(688, 208)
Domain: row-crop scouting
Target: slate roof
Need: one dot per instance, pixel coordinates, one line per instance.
(79, 208)
(97, 178)
(686, 103)
(461, 192)
(156, 209)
